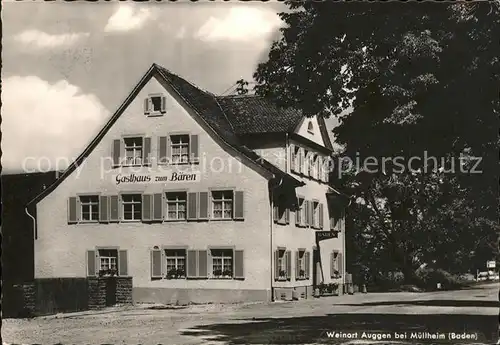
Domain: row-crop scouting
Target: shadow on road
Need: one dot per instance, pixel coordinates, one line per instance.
(307, 330)
(436, 303)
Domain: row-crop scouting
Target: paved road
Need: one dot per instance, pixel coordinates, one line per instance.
(465, 312)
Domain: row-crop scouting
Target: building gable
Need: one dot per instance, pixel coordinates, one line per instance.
(309, 128)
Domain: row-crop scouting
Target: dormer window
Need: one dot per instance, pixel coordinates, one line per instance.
(310, 128)
(155, 105)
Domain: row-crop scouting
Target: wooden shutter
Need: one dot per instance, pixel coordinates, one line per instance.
(297, 215)
(320, 168)
(158, 207)
(103, 209)
(239, 268)
(332, 264)
(287, 216)
(297, 265)
(162, 150)
(146, 151)
(204, 205)
(311, 213)
(192, 264)
(194, 147)
(332, 222)
(116, 152)
(147, 207)
(192, 206)
(163, 107)
(156, 263)
(307, 263)
(306, 215)
(91, 263)
(72, 210)
(239, 209)
(114, 214)
(146, 106)
(276, 264)
(320, 216)
(122, 263)
(202, 264)
(292, 157)
(301, 160)
(288, 264)
(168, 150)
(340, 264)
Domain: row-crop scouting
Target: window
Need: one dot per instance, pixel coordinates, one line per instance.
(108, 259)
(296, 158)
(282, 273)
(310, 128)
(222, 204)
(311, 165)
(175, 263)
(306, 161)
(301, 264)
(133, 151)
(156, 103)
(222, 263)
(180, 148)
(89, 208)
(315, 210)
(132, 204)
(176, 205)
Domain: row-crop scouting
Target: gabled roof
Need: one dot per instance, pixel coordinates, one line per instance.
(250, 114)
(203, 103)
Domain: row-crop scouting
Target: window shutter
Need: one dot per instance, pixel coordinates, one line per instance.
(192, 205)
(156, 264)
(114, 214)
(158, 207)
(204, 203)
(287, 216)
(239, 268)
(202, 264)
(297, 216)
(72, 210)
(297, 265)
(327, 169)
(122, 264)
(146, 207)
(103, 209)
(288, 264)
(332, 222)
(146, 106)
(194, 147)
(311, 213)
(163, 104)
(91, 263)
(168, 150)
(239, 208)
(320, 216)
(340, 264)
(306, 216)
(301, 160)
(146, 151)
(292, 157)
(117, 143)
(320, 168)
(276, 264)
(192, 264)
(307, 264)
(332, 264)
(162, 150)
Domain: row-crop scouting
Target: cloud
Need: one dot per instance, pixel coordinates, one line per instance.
(127, 18)
(242, 23)
(46, 125)
(40, 39)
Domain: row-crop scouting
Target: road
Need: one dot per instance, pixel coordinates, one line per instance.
(473, 311)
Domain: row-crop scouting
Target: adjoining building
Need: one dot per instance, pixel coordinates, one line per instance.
(197, 198)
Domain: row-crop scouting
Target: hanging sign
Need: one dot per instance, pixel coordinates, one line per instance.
(325, 235)
(490, 264)
(163, 177)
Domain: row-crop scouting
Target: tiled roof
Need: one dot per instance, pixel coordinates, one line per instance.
(254, 114)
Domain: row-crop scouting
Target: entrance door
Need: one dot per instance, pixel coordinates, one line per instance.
(110, 292)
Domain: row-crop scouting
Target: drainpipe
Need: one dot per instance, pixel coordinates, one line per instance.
(272, 229)
(344, 256)
(34, 222)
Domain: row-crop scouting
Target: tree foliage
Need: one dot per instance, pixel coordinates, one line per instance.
(423, 81)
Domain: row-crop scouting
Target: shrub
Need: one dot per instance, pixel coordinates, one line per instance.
(428, 278)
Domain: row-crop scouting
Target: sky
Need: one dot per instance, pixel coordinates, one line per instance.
(68, 66)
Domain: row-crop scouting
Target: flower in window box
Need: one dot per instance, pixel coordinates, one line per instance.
(282, 274)
(181, 273)
(302, 274)
(227, 273)
(107, 273)
(336, 274)
(217, 273)
(172, 274)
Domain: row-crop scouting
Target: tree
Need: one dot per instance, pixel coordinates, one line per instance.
(423, 81)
